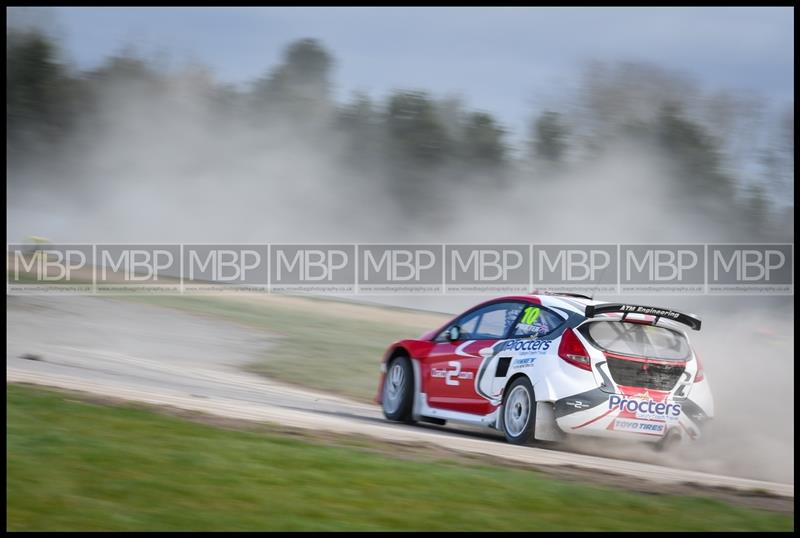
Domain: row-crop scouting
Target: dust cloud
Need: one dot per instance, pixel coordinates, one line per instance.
(748, 358)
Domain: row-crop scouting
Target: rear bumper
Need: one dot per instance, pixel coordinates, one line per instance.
(603, 414)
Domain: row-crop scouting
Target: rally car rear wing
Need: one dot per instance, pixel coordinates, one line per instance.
(687, 319)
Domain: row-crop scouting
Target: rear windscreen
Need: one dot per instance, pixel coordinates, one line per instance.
(637, 339)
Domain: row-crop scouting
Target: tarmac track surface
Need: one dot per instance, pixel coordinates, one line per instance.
(144, 353)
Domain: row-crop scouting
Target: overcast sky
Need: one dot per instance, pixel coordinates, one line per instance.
(510, 61)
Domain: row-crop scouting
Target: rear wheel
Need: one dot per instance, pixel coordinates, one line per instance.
(518, 415)
(398, 390)
(669, 442)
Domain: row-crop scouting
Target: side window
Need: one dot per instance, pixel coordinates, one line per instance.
(488, 323)
(495, 323)
(468, 326)
(536, 321)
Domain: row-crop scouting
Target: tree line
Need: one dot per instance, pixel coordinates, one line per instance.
(721, 148)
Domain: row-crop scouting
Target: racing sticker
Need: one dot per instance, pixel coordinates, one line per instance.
(526, 346)
(528, 320)
(652, 427)
(451, 376)
(522, 363)
(642, 406)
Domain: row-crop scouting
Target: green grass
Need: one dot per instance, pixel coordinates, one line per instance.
(313, 348)
(74, 465)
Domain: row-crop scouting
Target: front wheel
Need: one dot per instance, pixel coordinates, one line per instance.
(398, 390)
(518, 415)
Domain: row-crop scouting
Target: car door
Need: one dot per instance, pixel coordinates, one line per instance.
(452, 366)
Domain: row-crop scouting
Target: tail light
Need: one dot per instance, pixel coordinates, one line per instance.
(700, 375)
(571, 350)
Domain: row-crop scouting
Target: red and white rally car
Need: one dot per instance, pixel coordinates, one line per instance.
(545, 365)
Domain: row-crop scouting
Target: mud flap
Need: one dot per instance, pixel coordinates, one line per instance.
(546, 428)
(418, 397)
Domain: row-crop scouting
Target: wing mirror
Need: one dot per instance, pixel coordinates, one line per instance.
(454, 333)
(486, 352)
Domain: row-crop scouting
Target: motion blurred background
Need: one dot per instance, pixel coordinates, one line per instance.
(529, 125)
(471, 124)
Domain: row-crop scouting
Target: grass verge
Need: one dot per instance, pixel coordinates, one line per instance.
(77, 465)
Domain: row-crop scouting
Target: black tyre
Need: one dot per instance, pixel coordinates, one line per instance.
(518, 414)
(668, 443)
(398, 390)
